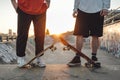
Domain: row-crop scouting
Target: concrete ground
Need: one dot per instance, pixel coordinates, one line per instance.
(57, 69)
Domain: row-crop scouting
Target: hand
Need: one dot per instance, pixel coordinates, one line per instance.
(16, 7)
(15, 4)
(47, 3)
(103, 12)
(75, 14)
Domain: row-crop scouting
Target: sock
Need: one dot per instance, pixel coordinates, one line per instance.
(94, 57)
(94, 54)
(77, 55)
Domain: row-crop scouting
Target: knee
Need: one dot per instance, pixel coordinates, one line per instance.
(95, 37)
(80, 37)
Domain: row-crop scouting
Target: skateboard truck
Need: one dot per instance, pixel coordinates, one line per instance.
(66, 48)
(53, 48)
(91, 64)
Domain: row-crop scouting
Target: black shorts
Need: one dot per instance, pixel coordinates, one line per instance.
(89, 24)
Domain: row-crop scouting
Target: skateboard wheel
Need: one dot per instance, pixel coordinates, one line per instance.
(33, 64)
(97, 65)
(68, 48)
(88, 65)
(28, 66)
(65, 48)
(53, 49)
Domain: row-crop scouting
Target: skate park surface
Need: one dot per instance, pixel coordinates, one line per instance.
(56, 68)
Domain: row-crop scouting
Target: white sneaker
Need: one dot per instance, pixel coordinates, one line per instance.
(21, 61)
(40, 62)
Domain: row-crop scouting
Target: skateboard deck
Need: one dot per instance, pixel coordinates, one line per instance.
(29, 63)
(90, 62)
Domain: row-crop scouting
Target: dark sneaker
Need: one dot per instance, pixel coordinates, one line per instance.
(94, 58)
(75, 62)
(96, 64)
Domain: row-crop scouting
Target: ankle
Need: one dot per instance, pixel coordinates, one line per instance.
(77, 55)
(94, 58)
(37, 59)
(94, 54)
(20, 58)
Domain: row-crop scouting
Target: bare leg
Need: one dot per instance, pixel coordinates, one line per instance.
(76, 60)
(94, 46)
(79, 43)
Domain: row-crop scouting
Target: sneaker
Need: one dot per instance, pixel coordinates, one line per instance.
(96, 64)
(40, 62)
(94, 58)
(21, 61)
(75, 62)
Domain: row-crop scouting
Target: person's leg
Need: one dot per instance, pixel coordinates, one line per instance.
(96, 31)
(22, 35)
(39, 22)
(22, 32)
(81, 30)
(79, 44)
(94, 46)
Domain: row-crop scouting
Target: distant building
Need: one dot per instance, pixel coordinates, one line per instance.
(10, 32)
(10, 36)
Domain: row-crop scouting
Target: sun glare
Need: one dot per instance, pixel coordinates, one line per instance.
(57, 32)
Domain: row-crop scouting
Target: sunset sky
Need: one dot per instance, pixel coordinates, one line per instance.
(59, 16)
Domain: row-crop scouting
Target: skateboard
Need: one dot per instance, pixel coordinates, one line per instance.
(29, 64)
(90, 63)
